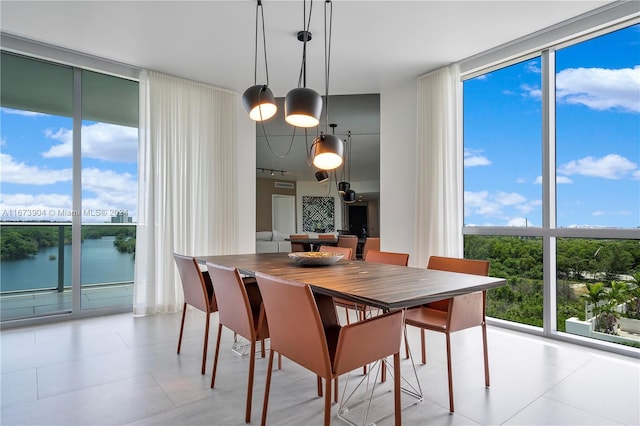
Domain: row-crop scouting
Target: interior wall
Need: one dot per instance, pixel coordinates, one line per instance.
(398, 124)
(265, 188)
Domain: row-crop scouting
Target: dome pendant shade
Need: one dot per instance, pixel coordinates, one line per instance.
(322, 175)
(327, 152)
(343, 187)
(302, 107)
(349, 196)
(259, 102)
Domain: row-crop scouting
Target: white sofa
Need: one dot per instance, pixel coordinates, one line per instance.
(272, 242)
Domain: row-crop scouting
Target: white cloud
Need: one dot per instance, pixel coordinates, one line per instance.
(22, 112)
(611, 166)
(600, 88)
(509, 198)
(521, 180)
(532, 66)
(520, 221)
(598, 213)
(559, 180)
(100, 140)
(473, 158)
(14, 172)
(531, 91)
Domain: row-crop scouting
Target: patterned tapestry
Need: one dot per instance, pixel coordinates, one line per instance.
(318, 213)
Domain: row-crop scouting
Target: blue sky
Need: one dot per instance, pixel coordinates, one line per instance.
(597, 137)
(37, 168)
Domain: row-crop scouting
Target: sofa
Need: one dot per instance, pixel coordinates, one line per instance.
(272, 242)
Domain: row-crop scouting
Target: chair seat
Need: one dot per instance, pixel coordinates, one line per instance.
(430, 319)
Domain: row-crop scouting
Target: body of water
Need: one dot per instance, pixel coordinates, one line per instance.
(101, 263)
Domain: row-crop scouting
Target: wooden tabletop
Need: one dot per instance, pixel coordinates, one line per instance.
(374, 284)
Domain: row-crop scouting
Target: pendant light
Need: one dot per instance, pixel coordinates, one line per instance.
(303, 106)
(258, 99)
(349, 195)
(322, 175)
(327, 149)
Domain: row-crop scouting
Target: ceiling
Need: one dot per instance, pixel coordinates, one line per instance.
(375, 45)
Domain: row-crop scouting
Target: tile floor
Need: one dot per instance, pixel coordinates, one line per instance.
(124, 370)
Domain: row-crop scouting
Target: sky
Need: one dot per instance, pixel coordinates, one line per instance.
(36, 174)
(597, 133)
(597, 138)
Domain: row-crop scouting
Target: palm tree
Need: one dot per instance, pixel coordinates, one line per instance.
(595, 293)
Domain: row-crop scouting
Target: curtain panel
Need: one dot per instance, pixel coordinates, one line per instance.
(186, 183)
(439, 192)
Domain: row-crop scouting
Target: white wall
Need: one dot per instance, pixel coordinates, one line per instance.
(398, 115)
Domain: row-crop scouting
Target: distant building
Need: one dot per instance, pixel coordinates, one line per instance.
(121, 218)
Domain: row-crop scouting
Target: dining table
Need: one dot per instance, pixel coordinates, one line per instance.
(383, 286)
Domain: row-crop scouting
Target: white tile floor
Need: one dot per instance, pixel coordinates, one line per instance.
(123, 370)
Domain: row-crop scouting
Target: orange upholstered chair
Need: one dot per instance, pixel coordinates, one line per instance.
(457, 313)
(241, 311)
(371, 243)
(298, 247)
(198, 292)
(304, 328)
(346, 252)
(349, 241)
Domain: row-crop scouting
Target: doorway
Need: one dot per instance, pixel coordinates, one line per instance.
(283, 213)
(358, 221)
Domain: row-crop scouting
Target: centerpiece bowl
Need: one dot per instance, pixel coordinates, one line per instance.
(315, 258)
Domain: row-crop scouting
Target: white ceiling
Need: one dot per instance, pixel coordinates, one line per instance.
(376, 44)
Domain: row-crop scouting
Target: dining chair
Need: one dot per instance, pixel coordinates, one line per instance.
(198, 293)
(370, 243)
(304, 328)
(299, 247)
(349, 241)
(241, 311)
(455, 314)
(391, 258)
(329, 237)
(346, 252)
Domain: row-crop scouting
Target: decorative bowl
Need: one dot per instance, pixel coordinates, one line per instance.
(315, 258)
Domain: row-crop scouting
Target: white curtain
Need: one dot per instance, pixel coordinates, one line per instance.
(439, 165)
(186, 189)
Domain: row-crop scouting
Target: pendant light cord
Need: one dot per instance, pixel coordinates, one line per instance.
(327, 59)
(306, 25)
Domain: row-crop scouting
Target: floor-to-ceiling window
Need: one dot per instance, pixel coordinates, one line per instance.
(552, 185)
(69, 182)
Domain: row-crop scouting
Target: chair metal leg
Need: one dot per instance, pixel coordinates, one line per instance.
(206, 343)
(486, 354)
(252, 363)
(449, 372)
(396, 389)
(267, 385)
(406, 343)
(424, 346)
(215, 357)
(184, 312)
(327, 402)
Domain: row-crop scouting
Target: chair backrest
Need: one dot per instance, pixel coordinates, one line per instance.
(234, 309)
(345, 251)
(467, 310)
(194, 284)
(389, 257)
(371, 243)
(298, 236)
(464, 266)
(295, 325)
(326, 237)
(349, 241)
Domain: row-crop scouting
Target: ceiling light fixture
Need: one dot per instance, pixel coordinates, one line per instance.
(303, 106)
(258, 99)
(327, 149)
(322, 175)
(348, 194)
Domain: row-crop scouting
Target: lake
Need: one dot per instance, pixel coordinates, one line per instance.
(101, 263)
